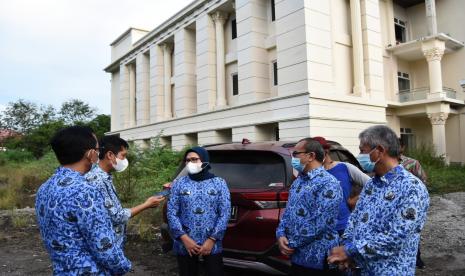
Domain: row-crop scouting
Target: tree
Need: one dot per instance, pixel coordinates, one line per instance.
(20, 116)
(38, 140)
(100, 124)
(75, 111)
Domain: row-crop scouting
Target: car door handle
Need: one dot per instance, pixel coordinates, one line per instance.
(259, 218)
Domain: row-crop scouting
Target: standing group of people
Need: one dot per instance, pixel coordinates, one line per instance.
(337, 218)
(382, 234)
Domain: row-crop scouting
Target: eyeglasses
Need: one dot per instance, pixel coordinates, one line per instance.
(295, 153)
(193, 160)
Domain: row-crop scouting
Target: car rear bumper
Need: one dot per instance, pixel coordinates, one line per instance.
(258, 261)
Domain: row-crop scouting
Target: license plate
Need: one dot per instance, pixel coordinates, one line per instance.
(233, 213)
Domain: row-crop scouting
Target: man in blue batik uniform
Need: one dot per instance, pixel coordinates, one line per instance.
(113, 151)
(384, 230)
(73, 221)
(307, 230)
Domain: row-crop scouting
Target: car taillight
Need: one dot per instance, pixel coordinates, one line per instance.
(268, 200)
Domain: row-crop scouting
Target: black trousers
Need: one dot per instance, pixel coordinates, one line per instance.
(297, 270)
(189, 266)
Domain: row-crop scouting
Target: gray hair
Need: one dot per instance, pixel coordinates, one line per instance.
(381, 135)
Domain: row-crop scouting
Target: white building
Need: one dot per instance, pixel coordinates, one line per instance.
(223, 70)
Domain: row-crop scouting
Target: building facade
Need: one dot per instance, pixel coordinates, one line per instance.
(222, 70)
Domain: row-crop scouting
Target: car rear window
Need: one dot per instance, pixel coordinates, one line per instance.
(243, 169)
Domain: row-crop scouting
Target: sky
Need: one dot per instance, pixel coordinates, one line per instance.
(55, 50)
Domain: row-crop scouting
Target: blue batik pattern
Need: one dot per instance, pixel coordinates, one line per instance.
(384, 229)
(119, 215)
(75, 227)
(309, 221)
(200, 210)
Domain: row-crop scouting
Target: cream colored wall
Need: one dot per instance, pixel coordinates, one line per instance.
(230, 45)
(453, 141)
(121, 48)
(230, 70)
(124, 45)
(421, 127)
(419, 74)
(271, 58)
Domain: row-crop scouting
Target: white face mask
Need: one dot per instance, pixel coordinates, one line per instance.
(121, 164)
(194, 168)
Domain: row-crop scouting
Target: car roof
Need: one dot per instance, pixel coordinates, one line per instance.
(274, 146)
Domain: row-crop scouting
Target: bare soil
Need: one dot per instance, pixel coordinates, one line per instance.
(22, 252)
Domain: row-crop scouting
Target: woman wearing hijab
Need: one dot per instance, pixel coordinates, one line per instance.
(198, 214)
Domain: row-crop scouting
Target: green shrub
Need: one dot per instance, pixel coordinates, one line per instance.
(148, 170)
(15, 155)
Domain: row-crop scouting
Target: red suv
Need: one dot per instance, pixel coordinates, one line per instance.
(259, 176)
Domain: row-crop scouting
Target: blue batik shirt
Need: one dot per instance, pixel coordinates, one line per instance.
(384, 230)
(119, 215)
(75, 227)
(309, 221)
(200, 209)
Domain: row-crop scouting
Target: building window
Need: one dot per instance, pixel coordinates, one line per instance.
(408, 138)
(275, 73)
(235, 83)
(273, 12)
(400, 30)
(403, 80)
(233, 29)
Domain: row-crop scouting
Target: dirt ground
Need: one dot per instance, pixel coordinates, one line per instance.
(22, 253)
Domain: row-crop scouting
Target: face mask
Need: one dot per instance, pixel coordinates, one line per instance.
(297, 165)
(194, 168)
(365, 161)
(121, 164)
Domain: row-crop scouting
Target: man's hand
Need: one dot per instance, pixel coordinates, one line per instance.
(153, 201)
(283, 244)
(339, 257)
(191, 246)
(206, 248)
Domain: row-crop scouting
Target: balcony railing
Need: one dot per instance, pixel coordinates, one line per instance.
(417, 94)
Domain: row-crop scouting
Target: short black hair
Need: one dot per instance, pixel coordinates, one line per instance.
(71, 143)
(112, 143)
(314, 146)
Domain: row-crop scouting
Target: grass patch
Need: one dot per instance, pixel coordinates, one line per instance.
(442, 178)
(19, 181)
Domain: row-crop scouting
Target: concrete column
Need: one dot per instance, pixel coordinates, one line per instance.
(186, 87)
(462, 134)
(433, 51)
(142, 89)
(132, 95)
(438, 122)
(219, 18)
(357, 48)
(124, 96)
(206, 63)
(115, 101)
(372, 49)
(253, 64)
(167, 48)
(156, 84)
(431, 21)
